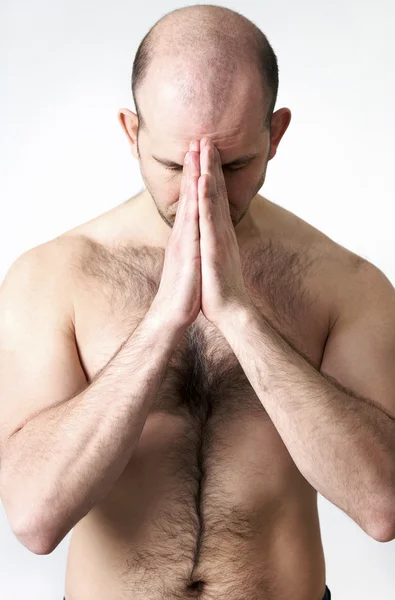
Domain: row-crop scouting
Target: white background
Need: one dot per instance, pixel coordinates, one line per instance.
(65, 72)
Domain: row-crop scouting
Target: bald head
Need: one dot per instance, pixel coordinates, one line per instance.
(208, 58)
(200, 71)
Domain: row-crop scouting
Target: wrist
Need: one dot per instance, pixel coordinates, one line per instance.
(236, 316)
(162, 320)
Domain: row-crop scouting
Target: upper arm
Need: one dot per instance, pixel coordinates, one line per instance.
(39, 363)
(360, 350)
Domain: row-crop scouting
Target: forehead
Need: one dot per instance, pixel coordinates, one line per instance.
(175, 116)
(173, 142)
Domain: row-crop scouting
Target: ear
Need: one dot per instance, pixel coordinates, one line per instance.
(129, 122)
(280, 121)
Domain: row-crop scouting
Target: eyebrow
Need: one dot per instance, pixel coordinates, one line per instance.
(238, 161)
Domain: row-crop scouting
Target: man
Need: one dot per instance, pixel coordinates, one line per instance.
(182, 374)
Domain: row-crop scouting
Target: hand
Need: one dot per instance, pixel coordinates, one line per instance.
(223, 287)
(178, 299)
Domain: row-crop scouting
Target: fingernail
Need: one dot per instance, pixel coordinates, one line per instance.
(187, 158)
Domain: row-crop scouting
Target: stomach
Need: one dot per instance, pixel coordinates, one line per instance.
(224, 515)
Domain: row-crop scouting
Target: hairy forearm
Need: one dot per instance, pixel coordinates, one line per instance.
(343, 445)
(65, 459)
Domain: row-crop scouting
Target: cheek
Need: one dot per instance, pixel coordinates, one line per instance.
(240, 190)
(165, 184)
(169, 189)
(235, 186)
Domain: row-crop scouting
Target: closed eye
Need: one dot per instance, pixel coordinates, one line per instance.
(227, 168)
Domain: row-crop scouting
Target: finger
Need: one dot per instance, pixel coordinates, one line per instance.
(209, 211)
(194, 164)
(207, 170)
(206, 207)
(192, 183)
(182, 201)
(212, 200)
(194, 146)
(193, 180)
(219, 174)
(190, 199)
(222, 192)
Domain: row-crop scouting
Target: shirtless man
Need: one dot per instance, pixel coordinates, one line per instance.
(182, 374)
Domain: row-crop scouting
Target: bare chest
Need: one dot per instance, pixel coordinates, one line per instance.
(210, 493)
(117, 286)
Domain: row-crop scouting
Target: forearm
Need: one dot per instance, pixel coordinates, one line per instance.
(66, 459)
(342, 444)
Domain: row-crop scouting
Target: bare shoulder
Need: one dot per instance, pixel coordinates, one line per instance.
(350, 280)
(297, 231)
(341, 276)
(46, 272)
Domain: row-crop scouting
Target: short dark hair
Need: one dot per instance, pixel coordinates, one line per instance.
(266, 61)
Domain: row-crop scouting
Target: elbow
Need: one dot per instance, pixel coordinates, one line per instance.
(38, 531)
(382, 528)
(35, 544)
(383, 531)
(32, 529)
(29, 530)
(33, 537)
(25, 527)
